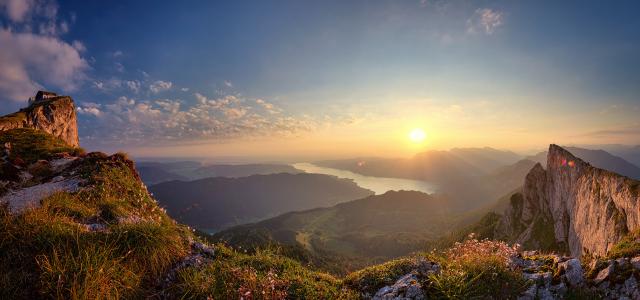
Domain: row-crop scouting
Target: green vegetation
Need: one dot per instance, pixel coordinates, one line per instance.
(629, 246)
(48, 250)
(30, 145)
(263, 275)
(477, 269)
(371, 279)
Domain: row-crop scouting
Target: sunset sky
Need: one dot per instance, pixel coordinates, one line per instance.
(278, 79)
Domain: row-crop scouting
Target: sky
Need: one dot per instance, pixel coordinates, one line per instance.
(328, 79)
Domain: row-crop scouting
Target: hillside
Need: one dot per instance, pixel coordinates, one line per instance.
(354, 233)
(212, 204)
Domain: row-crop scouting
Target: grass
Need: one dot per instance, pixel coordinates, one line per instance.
(477, 269)
(370, 280)
(629, 246)
(263, 275)
(47, 252)
(30, 145)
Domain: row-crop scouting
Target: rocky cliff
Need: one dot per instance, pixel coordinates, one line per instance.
(572, 206)
(56, 116)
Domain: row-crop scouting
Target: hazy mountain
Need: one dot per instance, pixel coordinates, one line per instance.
(154, 174)
(244, 170)
(157, 172)
(485, 173)
(431, 165)
(215, 203)
(599, 159)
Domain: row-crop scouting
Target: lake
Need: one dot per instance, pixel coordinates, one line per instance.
(378, 185)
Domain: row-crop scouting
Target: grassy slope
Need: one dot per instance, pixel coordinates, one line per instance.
(354, 234)
(47, 252)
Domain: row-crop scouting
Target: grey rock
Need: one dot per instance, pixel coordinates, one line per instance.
(530, 293)
(573, 271)
(407, 287)
(604, 274)
(635, 262)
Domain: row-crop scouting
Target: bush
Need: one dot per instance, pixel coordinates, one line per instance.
(478, 269)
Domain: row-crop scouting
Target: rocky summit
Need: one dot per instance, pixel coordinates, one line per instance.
(54, 115)
(572, 206)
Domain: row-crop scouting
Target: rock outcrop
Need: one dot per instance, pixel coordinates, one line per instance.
(573, 206)
(56, 116)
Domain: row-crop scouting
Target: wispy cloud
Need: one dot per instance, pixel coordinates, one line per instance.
(159, 86)
(485, 21)
(164, 120)
(624, 131)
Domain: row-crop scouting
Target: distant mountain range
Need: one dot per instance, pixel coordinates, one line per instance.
(157, 172)
(212, 204)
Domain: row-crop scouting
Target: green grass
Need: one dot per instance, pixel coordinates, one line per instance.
(371, 279)
(30, 145)
(263, 275)
(46, 252)
(629, 246)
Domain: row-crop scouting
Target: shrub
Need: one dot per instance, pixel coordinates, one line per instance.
(478, 269)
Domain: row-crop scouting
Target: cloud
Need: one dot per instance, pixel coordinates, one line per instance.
(89, 108)
(17, 10)
(29, 62)
(228, 83)
(165, 120)
(626, 131)
(119, 67)
(184, 89)
(117, 53)
(133, 85)
(159, 86)
(108, 85)
(33, 56)
(485, 20)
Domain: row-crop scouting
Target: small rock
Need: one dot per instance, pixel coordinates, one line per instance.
(407, 287)
(95, 227)
(622, 262)
(604, 274)
(204, 249)
(635, 262)
(529, 294)
(573, 271)
(559, 289)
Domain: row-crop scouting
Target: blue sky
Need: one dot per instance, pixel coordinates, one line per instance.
(289, 77)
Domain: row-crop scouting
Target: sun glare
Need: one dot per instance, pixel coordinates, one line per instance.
(417, 135)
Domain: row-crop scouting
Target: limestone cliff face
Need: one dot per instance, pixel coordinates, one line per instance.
(56, 116)
(583, 208)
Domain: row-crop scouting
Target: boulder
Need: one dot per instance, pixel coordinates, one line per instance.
(573, 271)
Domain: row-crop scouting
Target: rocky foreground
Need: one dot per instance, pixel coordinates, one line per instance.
(544, 276)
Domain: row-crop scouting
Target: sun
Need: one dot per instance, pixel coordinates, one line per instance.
(417, 135)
